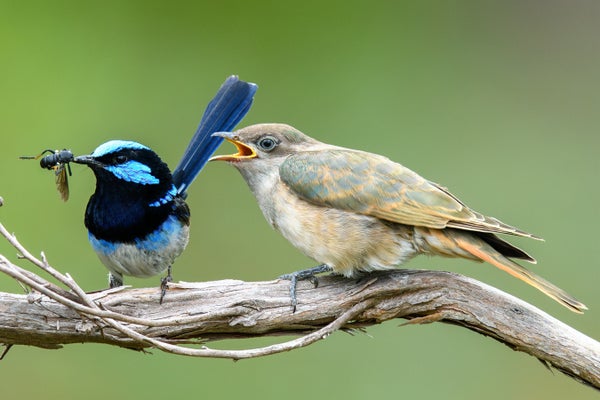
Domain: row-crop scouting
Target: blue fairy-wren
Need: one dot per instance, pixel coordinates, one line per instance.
(137, 219)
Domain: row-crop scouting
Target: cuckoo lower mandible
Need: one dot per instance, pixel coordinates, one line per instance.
(353, 211)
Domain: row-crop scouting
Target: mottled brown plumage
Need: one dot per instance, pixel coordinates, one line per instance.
(357, 211)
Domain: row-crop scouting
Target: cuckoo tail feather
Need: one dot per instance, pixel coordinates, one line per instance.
(485, 252)
(508, 250)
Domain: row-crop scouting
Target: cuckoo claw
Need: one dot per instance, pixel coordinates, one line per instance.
(305, 274)
(164, 282)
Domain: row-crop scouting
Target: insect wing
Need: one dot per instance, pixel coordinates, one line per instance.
(62, 181)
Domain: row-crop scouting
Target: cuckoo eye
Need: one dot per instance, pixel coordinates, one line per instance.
(267, 143)
(120, 159)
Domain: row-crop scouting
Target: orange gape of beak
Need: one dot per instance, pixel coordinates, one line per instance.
(244, 152)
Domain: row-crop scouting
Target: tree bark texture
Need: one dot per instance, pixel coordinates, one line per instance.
(202, 312)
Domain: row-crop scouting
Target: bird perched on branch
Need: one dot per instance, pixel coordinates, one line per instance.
(355, 211)
(137, 219)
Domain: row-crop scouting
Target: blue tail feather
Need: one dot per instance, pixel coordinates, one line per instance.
(223, 113)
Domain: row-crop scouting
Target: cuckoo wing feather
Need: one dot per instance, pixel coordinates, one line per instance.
(373, 185)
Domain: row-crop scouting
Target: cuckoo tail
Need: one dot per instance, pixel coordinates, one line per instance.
(485, 252)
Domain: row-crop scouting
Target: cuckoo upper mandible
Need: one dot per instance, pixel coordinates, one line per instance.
(355, 211)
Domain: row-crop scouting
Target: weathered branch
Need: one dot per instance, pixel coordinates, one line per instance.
(196, 313)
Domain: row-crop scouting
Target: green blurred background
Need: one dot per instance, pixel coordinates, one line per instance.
(496, 100)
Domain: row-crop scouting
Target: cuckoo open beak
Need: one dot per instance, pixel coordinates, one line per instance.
(244, 152)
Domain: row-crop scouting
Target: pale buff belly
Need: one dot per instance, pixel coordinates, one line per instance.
(345, 241)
